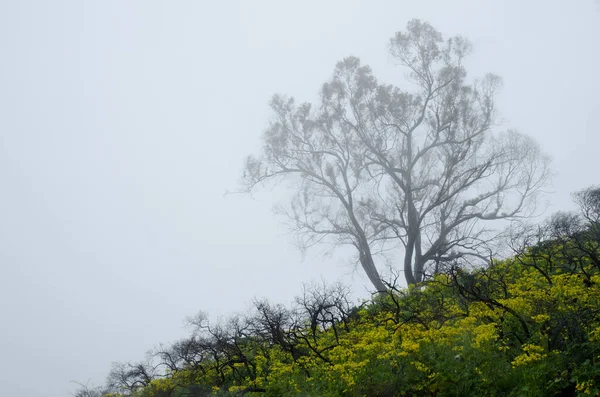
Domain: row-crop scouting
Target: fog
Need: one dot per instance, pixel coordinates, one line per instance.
(123, 125)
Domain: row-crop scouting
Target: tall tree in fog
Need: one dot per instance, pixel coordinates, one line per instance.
(376, 166)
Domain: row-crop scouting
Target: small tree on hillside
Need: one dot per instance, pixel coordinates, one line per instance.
(373, 165)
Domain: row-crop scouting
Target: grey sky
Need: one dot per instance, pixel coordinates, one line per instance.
(122, 123)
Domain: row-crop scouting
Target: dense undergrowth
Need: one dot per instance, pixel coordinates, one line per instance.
(528, 325)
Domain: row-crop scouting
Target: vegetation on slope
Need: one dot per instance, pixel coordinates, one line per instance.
(528, 325)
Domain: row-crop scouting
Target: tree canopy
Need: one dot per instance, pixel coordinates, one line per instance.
(376, 167)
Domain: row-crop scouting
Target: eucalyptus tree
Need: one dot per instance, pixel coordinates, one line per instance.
(377, 166)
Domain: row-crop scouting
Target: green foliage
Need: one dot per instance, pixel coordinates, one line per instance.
(524, 326)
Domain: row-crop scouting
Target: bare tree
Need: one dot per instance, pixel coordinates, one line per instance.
(128, 377)
(375, 165)
(85, 390)
(322, 308)
(588, 201)
(325, 163)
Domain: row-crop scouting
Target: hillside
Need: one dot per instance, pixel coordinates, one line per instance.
(528, 325)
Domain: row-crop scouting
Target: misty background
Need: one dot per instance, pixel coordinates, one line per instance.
(122, 125)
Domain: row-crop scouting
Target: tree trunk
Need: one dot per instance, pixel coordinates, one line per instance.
(408, 257)
(366, 260)
(413, 242)
(418, 263)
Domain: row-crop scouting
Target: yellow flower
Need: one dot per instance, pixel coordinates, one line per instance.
(484, 333)
(532, 353)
